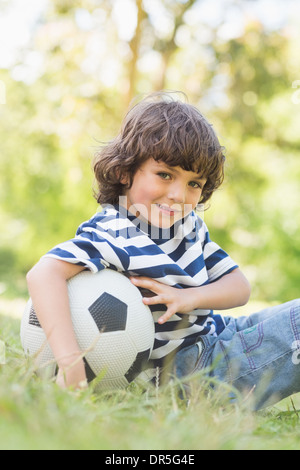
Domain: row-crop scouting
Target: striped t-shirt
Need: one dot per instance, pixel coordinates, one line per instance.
(182, 256)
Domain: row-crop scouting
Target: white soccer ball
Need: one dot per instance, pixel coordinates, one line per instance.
(113, 327)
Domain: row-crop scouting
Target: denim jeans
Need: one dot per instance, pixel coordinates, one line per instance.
(259, 354)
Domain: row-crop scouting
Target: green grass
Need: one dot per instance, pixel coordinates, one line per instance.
(38, 415)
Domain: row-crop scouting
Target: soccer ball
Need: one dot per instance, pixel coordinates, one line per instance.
(114, 329)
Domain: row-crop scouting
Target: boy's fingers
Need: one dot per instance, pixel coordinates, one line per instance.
(159, 296)
(153, 300)
(145, 282)
(164, 318)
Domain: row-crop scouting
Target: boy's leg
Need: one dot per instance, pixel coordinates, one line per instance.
(259, 354)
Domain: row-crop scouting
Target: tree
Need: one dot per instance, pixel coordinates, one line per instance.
(88, 72)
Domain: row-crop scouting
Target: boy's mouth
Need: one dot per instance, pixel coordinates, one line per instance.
(167, 210)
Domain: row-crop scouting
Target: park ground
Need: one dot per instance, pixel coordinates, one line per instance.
(38, 415)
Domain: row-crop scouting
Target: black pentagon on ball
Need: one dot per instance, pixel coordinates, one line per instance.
(90, 375)
(33, 320)
(109, 313)
(138, 366)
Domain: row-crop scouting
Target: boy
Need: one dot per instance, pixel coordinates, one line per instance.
(165, 160)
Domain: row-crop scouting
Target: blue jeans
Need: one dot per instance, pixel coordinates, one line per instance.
(259, 355)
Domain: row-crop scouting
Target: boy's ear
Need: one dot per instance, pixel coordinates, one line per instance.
(124, 179)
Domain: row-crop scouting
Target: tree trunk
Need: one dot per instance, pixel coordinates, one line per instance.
(135, 46)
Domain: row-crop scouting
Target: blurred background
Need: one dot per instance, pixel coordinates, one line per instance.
(70, 68)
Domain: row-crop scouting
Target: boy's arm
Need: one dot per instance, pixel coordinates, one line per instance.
(47, 284)
(231, 290)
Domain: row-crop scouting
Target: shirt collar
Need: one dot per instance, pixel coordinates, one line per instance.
(157, 234)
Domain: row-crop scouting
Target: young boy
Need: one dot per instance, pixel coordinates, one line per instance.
(151, 177)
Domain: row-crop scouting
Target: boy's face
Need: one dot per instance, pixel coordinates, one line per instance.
(161, 194)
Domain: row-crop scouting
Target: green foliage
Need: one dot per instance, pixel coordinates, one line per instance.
(89, 71)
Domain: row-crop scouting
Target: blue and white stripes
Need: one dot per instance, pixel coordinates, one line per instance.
(182, 256)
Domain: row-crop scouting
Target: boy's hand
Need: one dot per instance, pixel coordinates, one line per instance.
(230, 291)
(72, 375)
(176, 300)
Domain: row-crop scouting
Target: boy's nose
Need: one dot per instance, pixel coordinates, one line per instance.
(177, 193)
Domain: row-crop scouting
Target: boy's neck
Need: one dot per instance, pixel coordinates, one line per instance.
(152, 231)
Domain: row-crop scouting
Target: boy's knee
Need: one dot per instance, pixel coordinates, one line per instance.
(295, 303)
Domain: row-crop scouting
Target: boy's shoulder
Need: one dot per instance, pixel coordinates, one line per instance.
(99, 219)
(104, 214)
(112, 221)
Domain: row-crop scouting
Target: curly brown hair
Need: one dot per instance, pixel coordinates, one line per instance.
(168, 130)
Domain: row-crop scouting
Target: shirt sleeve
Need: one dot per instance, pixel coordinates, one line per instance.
(217, 261)
(93, 247)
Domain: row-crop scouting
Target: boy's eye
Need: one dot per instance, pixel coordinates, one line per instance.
(196, 185)
(165, 176)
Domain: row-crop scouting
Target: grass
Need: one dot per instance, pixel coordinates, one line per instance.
(38, 415)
